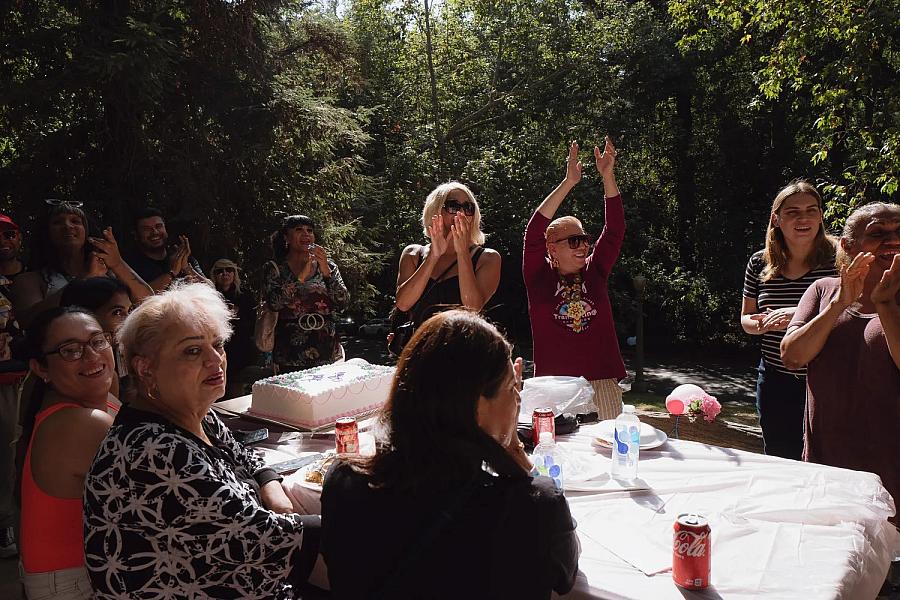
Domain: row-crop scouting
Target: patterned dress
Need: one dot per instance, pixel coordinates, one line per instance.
(166, 516)
(305, 336)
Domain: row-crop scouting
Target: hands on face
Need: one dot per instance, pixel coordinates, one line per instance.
(888, 286)
(319, 254)
(460, 232)
(853, 278)
(439, 241)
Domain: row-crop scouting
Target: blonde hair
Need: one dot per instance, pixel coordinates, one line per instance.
(858, 217)
(776, 253)
(223, 263)
(435, 202)
(143, 331)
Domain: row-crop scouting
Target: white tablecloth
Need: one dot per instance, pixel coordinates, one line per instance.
(780, 528)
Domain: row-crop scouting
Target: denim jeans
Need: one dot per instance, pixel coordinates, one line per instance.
(65, 584)
(781, 404)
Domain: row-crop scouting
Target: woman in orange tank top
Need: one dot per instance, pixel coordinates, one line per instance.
(72, 357)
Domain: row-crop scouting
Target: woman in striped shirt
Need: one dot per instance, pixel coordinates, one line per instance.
(798, 252)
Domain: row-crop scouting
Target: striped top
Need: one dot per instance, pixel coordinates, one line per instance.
(778, 292)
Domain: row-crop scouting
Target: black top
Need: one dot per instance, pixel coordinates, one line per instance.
(150, 268)
(509, 539)
(440, 295)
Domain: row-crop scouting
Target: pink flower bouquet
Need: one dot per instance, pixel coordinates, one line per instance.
(692, 401)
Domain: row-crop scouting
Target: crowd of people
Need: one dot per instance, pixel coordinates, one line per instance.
(128, 484)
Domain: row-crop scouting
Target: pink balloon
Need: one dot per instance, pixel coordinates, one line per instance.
(680, 396)
(675, 406)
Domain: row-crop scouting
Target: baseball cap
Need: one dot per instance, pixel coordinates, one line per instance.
(5, 220)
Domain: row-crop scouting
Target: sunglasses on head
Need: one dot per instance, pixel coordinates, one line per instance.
(9, 234)
(221, 270)
(57, 202)
(576, 240)
(453, 207)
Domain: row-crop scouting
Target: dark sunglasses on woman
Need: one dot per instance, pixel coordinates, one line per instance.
(221, 270)
(575, 240)
(453, 207)
(10, 234)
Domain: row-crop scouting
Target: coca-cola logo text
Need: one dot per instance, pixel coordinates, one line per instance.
(688, 543)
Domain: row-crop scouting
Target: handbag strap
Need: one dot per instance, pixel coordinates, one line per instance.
(397, 579)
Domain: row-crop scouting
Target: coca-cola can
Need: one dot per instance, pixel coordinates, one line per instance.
(691, 552)
(542, 420)
(346, 436)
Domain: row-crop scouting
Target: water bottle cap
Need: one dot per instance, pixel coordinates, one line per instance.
(628, 409)
(546, 437)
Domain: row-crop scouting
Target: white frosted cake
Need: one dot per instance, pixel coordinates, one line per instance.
(319, 396)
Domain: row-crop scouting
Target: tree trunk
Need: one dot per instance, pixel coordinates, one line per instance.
(685, 187)
(435, 107)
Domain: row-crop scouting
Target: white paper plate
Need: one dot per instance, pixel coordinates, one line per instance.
(651, 437)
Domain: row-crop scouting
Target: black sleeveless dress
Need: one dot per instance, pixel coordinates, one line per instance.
(440, 296)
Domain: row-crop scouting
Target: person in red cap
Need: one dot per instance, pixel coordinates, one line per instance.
(11, 373)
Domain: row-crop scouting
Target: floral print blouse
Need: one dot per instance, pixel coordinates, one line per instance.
(305, 335)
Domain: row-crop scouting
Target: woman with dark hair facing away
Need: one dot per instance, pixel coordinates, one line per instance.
(226, 276)
(64, 253)
(446, 508)
(67, 418)
(798, 252)
(306, 290)
(846, 332)
(108, 300)
(174, 506)
(454, 269)
(568, 301)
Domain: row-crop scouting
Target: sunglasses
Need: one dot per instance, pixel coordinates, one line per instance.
(58, 202)
(72, 351)
(576, 240)
(9, 234)
(221, 270)
(453, 207)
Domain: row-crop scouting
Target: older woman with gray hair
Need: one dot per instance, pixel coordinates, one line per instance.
(174, 505)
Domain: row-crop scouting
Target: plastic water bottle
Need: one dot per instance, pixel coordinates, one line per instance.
(547, 459)
(626, 445)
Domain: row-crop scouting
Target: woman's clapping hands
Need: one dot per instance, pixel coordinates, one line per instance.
(605, 160)
(573, 165)
(888, 286)
(853, 279)
(439, 241)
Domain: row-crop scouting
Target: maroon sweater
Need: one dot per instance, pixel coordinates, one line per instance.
(575, 341)
(853, 392)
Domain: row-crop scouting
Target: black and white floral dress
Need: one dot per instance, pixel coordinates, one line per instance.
(167, 516)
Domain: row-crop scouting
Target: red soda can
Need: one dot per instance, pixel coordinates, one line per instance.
(691, 552)
(346, 436)
(542, 420)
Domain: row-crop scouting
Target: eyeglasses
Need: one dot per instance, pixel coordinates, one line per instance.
(57, 202)
(576, 240)
(10, 234)
(453, 207)
(221, 270)
(72, 351)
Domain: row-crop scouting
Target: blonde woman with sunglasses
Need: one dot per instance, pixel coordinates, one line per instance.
(568, 302)
(454, 268)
